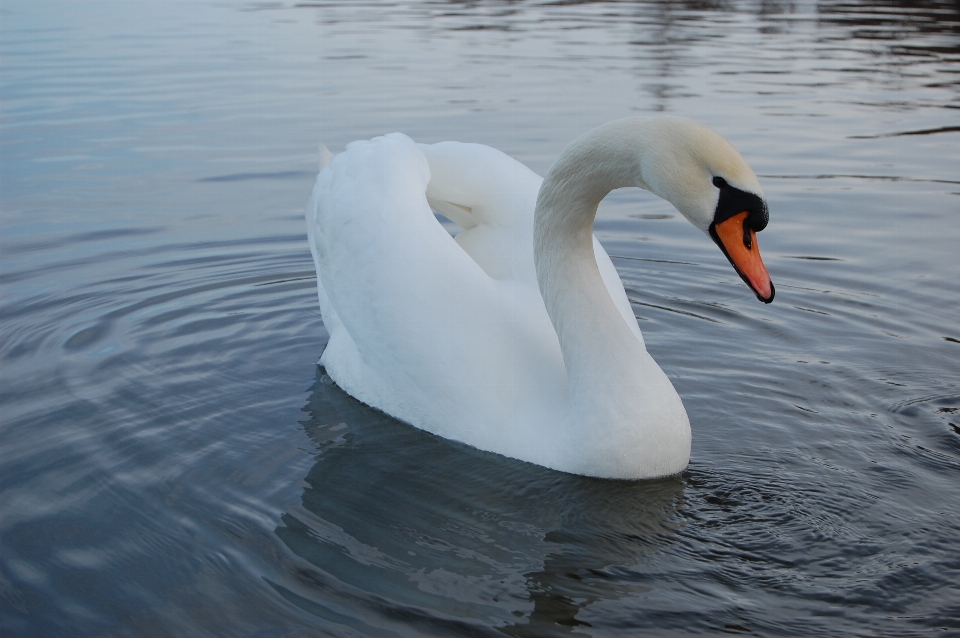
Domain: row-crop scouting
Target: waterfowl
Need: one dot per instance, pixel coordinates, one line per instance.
(517, 337)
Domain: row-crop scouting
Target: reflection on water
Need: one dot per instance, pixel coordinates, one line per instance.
(897, 23)
(159, 474)
(402, 520)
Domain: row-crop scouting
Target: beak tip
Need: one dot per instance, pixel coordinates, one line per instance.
(768, 299)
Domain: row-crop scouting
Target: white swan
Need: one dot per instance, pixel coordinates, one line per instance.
(517, 337)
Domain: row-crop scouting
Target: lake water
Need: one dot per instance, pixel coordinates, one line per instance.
(174, 463)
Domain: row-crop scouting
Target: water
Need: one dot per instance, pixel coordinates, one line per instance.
(173, 462)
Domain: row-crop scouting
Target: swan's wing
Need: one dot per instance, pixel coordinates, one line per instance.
(492, 197)
(478, 184)
(417, 328)
(614, 285)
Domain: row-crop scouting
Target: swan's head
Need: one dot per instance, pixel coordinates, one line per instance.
(708, 181)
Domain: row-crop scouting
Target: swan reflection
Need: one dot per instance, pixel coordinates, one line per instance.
(399, 526)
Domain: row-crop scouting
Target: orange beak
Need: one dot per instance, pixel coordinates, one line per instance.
(738, 241)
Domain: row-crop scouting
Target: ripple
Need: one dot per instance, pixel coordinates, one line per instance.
(244, 177)
(174, 461)
(928, 131)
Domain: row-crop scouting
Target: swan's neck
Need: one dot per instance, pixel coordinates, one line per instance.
(594, 339)
(618, 395)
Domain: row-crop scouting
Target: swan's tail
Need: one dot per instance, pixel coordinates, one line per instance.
(325, 156)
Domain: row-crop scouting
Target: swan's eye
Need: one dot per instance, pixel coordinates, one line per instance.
(733, 201)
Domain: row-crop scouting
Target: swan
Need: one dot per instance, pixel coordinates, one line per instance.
(516, 337)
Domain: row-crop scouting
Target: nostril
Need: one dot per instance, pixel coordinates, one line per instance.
(747, 236)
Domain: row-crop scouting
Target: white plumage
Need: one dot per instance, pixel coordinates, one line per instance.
(453, 335)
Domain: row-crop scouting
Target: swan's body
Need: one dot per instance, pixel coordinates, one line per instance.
(454, 336)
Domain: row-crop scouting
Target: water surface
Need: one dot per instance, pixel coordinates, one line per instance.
(173, 462)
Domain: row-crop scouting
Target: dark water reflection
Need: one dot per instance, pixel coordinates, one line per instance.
(172, 461)
(444, 527)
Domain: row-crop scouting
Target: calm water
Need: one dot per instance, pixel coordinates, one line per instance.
(174, 463)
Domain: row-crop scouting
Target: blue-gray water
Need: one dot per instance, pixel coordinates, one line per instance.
(173, 462)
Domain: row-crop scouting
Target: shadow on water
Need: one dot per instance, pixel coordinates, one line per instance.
(410, 529)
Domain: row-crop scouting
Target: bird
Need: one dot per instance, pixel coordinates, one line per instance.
(516, 336)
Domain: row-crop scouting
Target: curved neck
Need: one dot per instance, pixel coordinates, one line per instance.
(594, 338)
(625, 419)
(601, 160)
